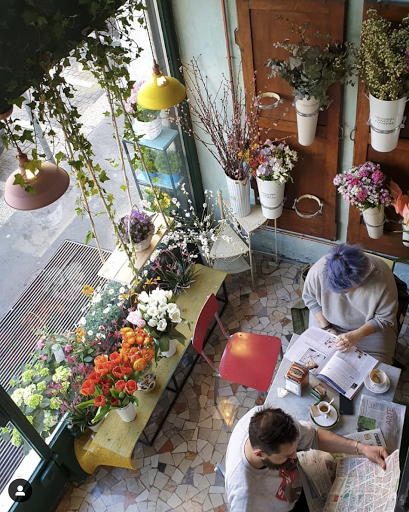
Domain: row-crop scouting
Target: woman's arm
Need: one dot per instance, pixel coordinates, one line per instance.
(347, 340)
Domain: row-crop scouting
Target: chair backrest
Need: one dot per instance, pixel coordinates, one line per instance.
(205, 317)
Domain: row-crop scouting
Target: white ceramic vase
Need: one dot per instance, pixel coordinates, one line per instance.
(405, 237)
(141, 246)
(271, 196)
(307, 118)
(386, 121)
(150, 129)
(95, 427)
(172, 349)
(239, 192)
(374, 219)
(127, 413)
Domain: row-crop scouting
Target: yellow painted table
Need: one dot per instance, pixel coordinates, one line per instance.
(114, 442)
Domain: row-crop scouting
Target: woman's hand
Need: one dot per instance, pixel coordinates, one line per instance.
(347, 340)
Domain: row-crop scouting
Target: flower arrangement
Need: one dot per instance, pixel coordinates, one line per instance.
(382, 60)
(160, 314)
(273, 162)
(311, 69)
(136, 227)
(171, 272)
(142, 114)
(400, 202)
(138, 347)
(150, 202)
(364, 186)
(111, 385)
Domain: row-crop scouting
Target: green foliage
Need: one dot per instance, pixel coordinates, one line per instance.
(311, 69)
(382, 57)
(175, 162)
(150, 203)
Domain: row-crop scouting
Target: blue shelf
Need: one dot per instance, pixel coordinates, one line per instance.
(161, 143)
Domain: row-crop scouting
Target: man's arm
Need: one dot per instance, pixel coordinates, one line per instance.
(333, 443)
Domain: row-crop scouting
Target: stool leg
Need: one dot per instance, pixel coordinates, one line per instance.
(216, 387)
(251, 261)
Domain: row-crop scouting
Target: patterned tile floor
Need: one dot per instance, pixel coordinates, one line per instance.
(177, 473)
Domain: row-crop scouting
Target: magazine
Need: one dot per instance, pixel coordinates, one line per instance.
(316, 350)
(387, 416)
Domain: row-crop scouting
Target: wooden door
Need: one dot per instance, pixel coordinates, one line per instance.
(394, 164)
(258, 29)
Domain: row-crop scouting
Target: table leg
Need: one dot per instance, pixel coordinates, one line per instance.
(251, 260)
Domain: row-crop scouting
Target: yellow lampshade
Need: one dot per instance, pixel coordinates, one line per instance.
(160, 93)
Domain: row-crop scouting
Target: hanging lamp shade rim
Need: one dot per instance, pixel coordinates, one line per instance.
(163, 96)
(50, 184)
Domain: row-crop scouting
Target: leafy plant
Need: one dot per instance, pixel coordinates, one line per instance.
(311, 69)
(80, 419)
(151, 203)
(171, 272)
(175, 162)
(382, 59)
(141, 114)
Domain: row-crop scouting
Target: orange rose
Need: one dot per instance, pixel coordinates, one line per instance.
(100, 401)
(87, 388)
(139, 339)
(150, 354)
(124, 330)
(130, 387)
(125, 344)
(140, 364)
(115, 357)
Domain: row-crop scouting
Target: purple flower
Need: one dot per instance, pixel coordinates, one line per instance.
(378, 177)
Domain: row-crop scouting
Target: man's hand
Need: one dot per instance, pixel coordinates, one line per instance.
(376, 454)
(347, 340)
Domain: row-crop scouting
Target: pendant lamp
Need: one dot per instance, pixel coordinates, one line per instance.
(162, 92)
(49, 182)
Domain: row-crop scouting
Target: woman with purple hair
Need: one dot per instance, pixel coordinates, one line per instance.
(354, 295)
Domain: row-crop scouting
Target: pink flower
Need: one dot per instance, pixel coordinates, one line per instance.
(141, 323)
(68, 349)
(378, 177)
(134, 317)
(44, 358)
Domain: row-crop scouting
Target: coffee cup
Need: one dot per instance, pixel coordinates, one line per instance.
(324, 408)
(377, 379)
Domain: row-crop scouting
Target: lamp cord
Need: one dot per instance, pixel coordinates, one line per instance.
(149, 34)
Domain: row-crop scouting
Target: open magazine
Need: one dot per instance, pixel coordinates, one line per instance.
(315, 349)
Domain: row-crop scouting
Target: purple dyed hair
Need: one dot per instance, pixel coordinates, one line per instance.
(346, 267)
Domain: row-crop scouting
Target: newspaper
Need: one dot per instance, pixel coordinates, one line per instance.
(387, 416)
(371, 437)
(361, 485)
(316, 350)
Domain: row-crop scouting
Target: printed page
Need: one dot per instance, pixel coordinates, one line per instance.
(314, 502)
(319, 467)
(370, 437)
(362, 485)
(387, 416)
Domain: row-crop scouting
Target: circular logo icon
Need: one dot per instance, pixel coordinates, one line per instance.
(20, 490)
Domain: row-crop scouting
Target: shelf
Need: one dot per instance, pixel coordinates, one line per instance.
(161, 143)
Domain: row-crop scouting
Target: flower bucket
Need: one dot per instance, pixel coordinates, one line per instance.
(127, 413)
(386, 121)
(374, 219)
(239, 192)
(405, 237)
(147, 383)
(141, 246)
(307, 118)
(271, 198)
(172, 349)
(149, 130)
(95, 427)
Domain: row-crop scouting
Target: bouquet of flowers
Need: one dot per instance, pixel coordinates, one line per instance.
(273, 162)
(111, 385)
(160, 314)
(142, 114)
(136, 227)
(400, 202)
(138, 348)
(364, 186)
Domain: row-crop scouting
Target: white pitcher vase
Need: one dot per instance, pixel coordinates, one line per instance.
(374, 219)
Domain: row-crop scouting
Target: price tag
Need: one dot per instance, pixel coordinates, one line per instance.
(58, 352)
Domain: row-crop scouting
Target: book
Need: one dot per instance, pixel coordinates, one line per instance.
(315, 349)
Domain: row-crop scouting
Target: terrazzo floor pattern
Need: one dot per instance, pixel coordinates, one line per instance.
(177, 472)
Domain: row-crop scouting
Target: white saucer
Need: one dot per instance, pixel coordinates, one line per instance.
(381, 389)
(333, 418)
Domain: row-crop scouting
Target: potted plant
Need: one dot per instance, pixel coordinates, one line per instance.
(137, 229)
(272, 163)
(158, 309)
(111, 385)
(364, 187)
(151, 203)
(383, 67)
(172, 272)
(149, 159)
(147, 122)
(310, 69)
(175, 163)
(401, 204)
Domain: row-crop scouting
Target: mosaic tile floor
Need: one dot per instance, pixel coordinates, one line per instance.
(177, 473)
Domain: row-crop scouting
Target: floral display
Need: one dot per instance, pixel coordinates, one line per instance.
(111, 385)
(400, 202)
(136, 227)
(160, 314)
(132, 107)
(150, 203)
(138, 348)
(171, 272)
(272, 161)
(364, 186)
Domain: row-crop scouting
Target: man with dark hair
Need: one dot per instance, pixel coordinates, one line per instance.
(261, 461)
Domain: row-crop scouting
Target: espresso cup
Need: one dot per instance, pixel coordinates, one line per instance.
(324, 408)
(377, 379)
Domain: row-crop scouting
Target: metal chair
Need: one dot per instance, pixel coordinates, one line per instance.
(248, 359)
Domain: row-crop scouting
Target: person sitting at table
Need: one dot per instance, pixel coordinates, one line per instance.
(261, 460)
(354, 295)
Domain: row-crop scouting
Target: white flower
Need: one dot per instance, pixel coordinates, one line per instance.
(175, 316)
(96, 298)
(168, 294)
(82, 321)
(153, 301)
(152, 311)
(111, 291)
(171, 307)
(90, 333)
(152, 322)
(143, 297)
(162, 325)
(122, 290)
(106, 310)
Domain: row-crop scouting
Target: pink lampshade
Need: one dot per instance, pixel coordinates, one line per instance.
(50, 184)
